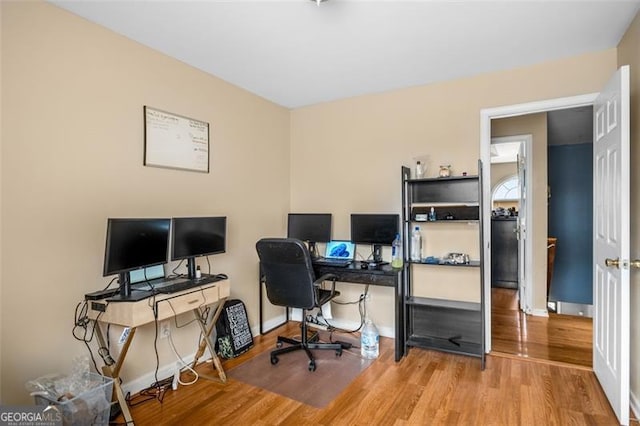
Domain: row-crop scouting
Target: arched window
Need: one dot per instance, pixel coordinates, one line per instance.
(507, 190)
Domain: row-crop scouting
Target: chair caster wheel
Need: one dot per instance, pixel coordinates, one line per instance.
(312, 366)
(278, 344)
(338, 352)
(274, 360)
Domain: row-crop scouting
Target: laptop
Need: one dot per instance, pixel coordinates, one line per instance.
(338, 253)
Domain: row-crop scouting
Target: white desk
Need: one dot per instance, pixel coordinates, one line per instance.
(158, 308)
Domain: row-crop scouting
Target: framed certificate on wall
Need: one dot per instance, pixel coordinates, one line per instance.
(175, 142)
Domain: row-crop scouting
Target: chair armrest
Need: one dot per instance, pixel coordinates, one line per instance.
(327, 277)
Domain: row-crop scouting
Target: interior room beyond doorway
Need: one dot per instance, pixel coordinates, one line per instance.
(513, 331)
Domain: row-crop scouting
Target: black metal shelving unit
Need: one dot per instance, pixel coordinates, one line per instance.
(442, 324)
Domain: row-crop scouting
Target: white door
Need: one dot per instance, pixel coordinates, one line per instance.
(521, 229)
(611, 242)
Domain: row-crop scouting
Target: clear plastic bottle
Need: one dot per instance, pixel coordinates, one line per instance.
(369, 340)
(419, 170)
(396, 252)
(432, 215)
(416, 245)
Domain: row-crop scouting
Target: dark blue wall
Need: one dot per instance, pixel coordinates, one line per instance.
(571, 221)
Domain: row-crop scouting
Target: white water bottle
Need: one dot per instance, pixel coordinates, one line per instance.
(369, 340)
(416, 245)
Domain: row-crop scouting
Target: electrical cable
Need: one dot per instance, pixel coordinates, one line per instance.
(361, 310)
(155, 391)
(184, 365)
(173, 271)
(175, 315)
(110, 282)
(82, 321)
(158, 388)
(155, 339)
(361, 257)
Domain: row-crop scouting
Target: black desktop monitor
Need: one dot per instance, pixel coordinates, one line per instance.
(134, 244)
(192, 237)
(310, 227)
(376, 229)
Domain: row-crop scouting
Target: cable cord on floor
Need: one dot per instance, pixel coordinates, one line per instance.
(154, 391)
(184, 365)
(361, 310)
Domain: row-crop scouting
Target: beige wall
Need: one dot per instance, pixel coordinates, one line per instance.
(71, 143)
(501, 171)
(72, 151)
(357, 145)
(629, 54)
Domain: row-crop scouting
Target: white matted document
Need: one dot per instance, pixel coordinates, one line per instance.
(175, 142)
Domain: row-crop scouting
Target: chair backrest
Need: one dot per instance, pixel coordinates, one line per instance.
(288, 272)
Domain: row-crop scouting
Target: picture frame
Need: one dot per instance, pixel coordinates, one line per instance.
(175, 142)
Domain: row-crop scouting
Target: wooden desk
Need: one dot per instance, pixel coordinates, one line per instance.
(385, 276)
(158, 308)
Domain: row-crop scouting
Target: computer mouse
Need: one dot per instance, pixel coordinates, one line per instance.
(222, 276)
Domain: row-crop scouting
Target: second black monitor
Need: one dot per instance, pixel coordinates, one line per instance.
(197, 236)
(310, 227)
(376, 229)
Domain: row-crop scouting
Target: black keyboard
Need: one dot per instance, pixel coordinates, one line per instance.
(186, 284)
(332, 262)
(208, 280)
(175, 287)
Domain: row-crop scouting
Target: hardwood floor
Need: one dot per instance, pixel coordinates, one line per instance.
(558, 338)
(425, 388)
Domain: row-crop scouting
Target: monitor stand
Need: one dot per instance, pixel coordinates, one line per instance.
(377, 256)
(191, 268)
(313, 250)
(126, 293)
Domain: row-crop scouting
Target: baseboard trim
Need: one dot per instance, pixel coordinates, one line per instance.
(567, 308)
(539, 312)
(139, 383)
(349, 325)
(296, 315)
(270, 324)
(142, 382)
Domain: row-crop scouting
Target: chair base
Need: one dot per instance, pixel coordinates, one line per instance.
(306, 344)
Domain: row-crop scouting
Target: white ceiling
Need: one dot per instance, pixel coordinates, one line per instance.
(570, 126)
(505, 152)
(297, 53)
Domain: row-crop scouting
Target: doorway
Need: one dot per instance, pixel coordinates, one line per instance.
(509, 211)
(537, 200)
(540, 335)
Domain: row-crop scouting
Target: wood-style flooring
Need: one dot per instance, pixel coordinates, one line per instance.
(558, 338)
(424, 388)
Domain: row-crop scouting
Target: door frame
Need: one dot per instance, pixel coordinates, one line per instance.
(486, 115)
(526, 293)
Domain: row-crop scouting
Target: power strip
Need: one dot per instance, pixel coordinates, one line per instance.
(318, 326)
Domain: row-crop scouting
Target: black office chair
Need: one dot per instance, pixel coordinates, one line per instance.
(290, 281)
